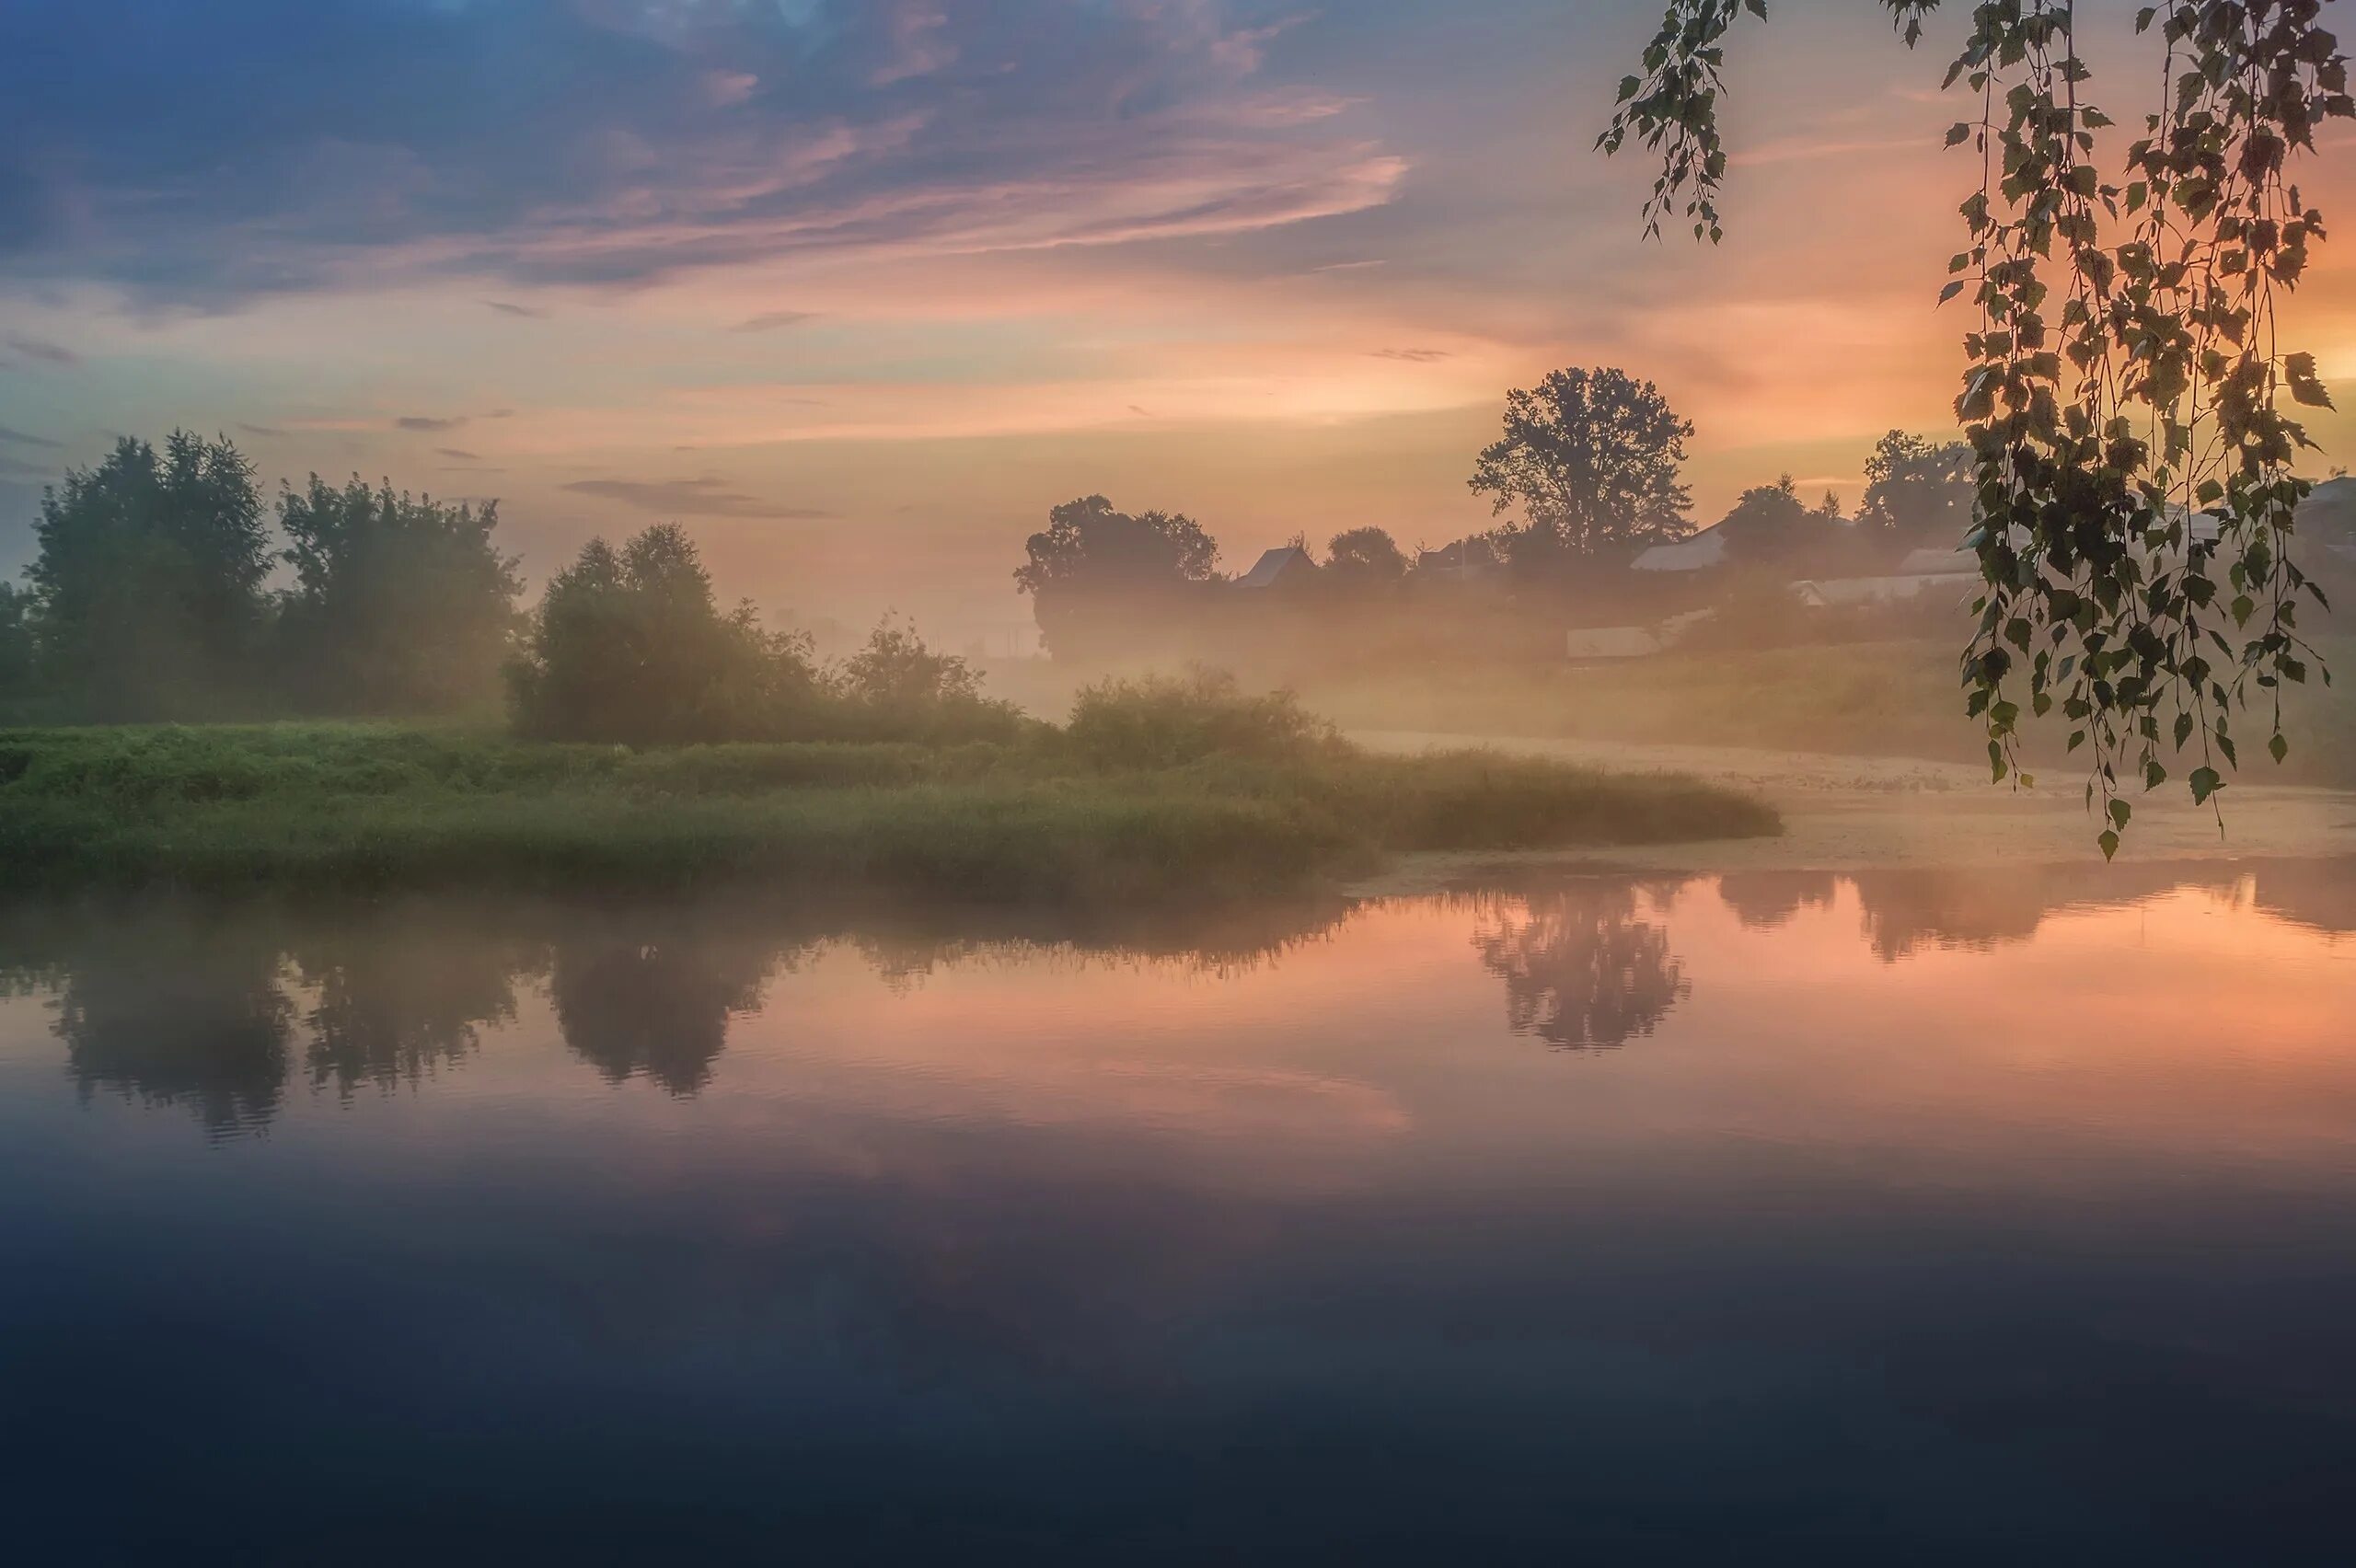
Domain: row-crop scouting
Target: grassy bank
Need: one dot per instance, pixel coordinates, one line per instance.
(1861, 700)
(378, 806)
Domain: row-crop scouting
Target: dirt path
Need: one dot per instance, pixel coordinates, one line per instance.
(1844, 813)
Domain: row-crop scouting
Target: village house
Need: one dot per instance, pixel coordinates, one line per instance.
(1284, 566)
(1695, 552)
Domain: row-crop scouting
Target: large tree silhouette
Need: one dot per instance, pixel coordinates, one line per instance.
(148, 586)
(400, 605)
(1093, 571)
(1592, 459)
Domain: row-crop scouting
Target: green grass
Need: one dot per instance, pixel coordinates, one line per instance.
(382, 806)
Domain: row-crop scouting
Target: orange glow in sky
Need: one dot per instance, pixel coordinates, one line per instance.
(858, 292)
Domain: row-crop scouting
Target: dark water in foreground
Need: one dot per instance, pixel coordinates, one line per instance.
(1897, 1217)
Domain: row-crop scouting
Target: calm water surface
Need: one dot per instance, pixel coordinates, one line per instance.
(1890, 1218)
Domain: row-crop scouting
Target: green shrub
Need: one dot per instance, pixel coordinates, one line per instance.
(899, 689)
(1168, 721)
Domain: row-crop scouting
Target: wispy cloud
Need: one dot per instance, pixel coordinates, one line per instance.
(461, 454)
(42, 350)
(921, 43)
(429, 422)
(690, 498)
(509, 307)
(24, 439)
(260, 428)
(1414, 356)
(1023, 123)
(770, 321)
(1814, 149)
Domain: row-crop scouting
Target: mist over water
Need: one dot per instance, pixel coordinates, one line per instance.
(1934, 1214)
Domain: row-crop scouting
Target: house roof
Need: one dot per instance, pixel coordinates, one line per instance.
(1690, 553)
(1274, 564)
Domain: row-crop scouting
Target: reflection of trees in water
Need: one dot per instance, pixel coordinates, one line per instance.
(1218, 941)
(399, 998)
(658, 1007)
(1764, 901)
(198, 1003)
(1904, 912)
(180, 1015)
(200, 1006)
(1581, 970)
(2318, 894)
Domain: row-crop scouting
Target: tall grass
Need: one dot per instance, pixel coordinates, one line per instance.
(1167, 721)
(381, 805)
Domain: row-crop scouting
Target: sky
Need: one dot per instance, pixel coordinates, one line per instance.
(858, 289)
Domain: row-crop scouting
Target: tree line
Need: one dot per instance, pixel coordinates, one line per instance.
(152, 598)
(149, 596)
(1586, 474)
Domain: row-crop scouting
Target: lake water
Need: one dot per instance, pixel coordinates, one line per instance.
(1906, 1217)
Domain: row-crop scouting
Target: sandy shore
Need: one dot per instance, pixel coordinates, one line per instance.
(1848, 813)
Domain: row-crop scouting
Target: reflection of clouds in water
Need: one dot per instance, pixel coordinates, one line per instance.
(1582, 970)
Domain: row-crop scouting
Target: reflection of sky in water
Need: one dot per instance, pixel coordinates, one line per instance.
(1932, 1211)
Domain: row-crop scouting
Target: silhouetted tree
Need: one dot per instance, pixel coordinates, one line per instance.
(148, 584)
(1918, 492)
(399, 604)
(1592, 458)
(1364, 557)
(1770, 524)
(628, 645)
(1092, 562)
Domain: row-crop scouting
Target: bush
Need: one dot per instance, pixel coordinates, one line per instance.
(1168, 721)
(897, 688)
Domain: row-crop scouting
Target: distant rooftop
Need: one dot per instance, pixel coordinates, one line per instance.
(1691, 553)
(1285, 561)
